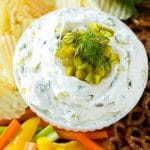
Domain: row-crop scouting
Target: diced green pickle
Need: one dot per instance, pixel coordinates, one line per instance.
(107, 67)
(68, 38)
(58, 54)
(107, 51)
(80, 74)
(107, 32)
(97, 78)
(89, 78)
(61, 54)
(89, 68)
(114, 58)
(77, 60)
(94, 27)
(68, 62)
(100, 71)
(70, 71)
(107, 70)
(82, 66)
(70, 51)
(80, 32)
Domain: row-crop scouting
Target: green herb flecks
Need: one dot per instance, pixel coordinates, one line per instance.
(23, 46)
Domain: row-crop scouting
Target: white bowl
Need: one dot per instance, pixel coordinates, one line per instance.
(67, 102)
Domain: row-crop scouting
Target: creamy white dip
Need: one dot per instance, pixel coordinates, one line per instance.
(66, 101)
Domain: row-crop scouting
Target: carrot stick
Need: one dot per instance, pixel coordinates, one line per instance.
(89, 144)
(30, 146)
(70, 135)
(9, 133)
(97, 134)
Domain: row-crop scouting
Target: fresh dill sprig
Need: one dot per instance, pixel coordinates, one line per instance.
(91, 48)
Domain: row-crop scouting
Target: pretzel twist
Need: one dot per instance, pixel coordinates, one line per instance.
(136, 117)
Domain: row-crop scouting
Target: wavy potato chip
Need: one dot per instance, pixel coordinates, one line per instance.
(3, 74)
(116, 8)
(19, 18)
(76, 3)
(17, 11)
(18, 28)
(11, 103)
(7, 47)
(13, 5)
(4, 78)
(89, 4)
(37, 8)
(68, 3)
(26, 22)
(4, 19)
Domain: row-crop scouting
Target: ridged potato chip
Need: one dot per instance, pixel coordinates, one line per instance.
(89, 4)
(3, 74)
(13, 4)
(11, 103)
(68, 3)
(15, 17)
(19, 17)
(17, 6)
(116, 8)
(4, 19)
(37, 8)
(7, 47)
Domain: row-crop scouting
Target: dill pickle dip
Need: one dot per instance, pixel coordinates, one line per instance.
(67, 101)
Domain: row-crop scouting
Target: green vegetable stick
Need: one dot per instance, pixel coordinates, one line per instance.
(44, 132)
(53, 136)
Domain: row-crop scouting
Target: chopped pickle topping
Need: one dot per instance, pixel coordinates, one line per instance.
(87, 54)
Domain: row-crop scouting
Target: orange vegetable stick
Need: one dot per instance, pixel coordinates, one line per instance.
(89, 144)
(100, 134)
(9, 133)
(30, 146)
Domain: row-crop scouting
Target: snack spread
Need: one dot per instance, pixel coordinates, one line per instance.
(73, 95)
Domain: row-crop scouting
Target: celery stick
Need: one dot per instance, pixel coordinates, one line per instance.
(44, 132)
(53, 136)
(2, 128)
